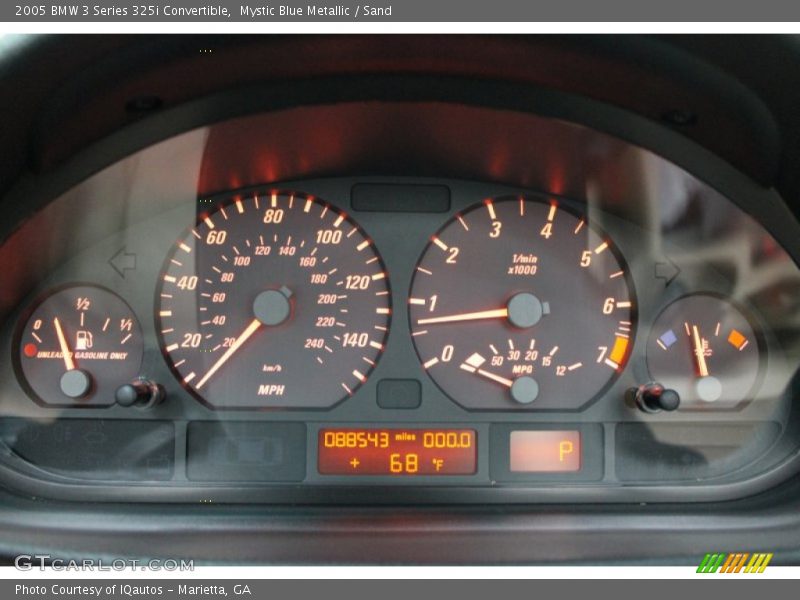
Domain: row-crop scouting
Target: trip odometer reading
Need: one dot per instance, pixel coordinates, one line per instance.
(273, 301)
(520, 304)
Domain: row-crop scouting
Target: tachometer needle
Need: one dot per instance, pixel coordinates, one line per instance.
(702, 367)
(69, 362)
(498, 313)
(255, 324)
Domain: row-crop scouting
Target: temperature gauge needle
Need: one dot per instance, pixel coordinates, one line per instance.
(499, 313)
(69, 362)
(255, 324)
(702, 367)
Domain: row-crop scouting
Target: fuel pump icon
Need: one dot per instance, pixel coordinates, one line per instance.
(84, 340)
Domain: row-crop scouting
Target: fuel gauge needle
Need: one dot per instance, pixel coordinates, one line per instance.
(702, 367)
(69, 361)
(255, 324)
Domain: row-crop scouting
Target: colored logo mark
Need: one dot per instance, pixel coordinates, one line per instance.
(667, 339)
(737, 340)
(735, 562)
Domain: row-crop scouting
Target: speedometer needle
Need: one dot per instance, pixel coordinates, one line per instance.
(498, 313)
(69, 362)
(702, 367)
(255, 324)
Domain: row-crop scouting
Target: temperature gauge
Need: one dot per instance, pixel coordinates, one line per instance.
(704, 348)
(78, 346)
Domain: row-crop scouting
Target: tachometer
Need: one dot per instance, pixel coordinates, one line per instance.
(518, 303)
(273, 301)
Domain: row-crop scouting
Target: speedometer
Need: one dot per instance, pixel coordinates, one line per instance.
(520, 304)
(273, 301)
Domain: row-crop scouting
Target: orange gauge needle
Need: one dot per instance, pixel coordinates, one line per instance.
(495, 378)
(69, 362)
(498, 313)
(702, 367)
(255, 324)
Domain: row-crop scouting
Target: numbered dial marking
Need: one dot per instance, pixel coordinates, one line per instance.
(705, 349)
(519, 304)
(273, 301)
(78, 346)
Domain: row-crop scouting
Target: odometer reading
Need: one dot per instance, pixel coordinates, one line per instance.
(521, 304)
(273, 301)
(397, 452)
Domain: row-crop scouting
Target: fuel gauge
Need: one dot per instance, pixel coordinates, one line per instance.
(704, 348)
(78, 346)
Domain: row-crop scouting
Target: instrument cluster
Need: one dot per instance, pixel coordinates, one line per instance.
(416, 333)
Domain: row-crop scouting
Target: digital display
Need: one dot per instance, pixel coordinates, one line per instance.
(400, 452)
(545, 451)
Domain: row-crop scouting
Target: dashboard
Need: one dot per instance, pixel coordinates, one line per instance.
(421, 296)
